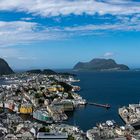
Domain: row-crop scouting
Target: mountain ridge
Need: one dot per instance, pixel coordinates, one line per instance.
(5, 69)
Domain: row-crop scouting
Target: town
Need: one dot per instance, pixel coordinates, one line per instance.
(35, 106)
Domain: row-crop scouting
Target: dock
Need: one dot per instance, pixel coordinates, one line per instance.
(107, 106)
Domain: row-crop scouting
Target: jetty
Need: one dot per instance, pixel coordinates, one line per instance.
(107, 106)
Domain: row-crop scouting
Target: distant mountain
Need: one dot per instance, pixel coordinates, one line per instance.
(45, 71)
(5, 68)
(36, 71)
(98, 64)
(49, 72)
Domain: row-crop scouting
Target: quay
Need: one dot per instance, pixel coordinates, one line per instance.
(107, 106)
(130, 115)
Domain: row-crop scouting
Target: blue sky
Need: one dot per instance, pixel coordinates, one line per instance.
(58, 34)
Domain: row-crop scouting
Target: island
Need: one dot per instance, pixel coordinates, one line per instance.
(99, 64)
(5, 68)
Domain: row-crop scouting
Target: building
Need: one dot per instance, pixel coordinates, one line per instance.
(26, 109)
(42, 115)
(52, 136)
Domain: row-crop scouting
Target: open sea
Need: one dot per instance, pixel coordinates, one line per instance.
(114, 88)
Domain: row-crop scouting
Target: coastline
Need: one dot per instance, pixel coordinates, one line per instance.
(93, 114)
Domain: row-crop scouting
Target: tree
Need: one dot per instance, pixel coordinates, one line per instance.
(70, 137)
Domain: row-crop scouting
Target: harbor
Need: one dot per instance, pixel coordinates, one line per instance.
(40, 99)
(69, 70)
(46, 102)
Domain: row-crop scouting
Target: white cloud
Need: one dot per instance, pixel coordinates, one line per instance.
(25, 31)
(26, 58)
(21, 32)
(8, 53)
(65, 7)
(109, 54)
(15, 32)
(104, 27)
(27, 18)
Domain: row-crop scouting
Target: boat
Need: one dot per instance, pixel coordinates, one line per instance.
(82, 102)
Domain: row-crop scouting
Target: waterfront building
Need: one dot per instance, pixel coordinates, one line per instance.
(67, 105)
(57, 113)
(25, 136)
(26, 109)
(107, 131)
(55, 88)
(131, 115)
(10, 137)
(9, 104)
(52, 136)
(42, 115)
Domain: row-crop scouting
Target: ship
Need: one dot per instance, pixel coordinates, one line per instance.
(42, 116)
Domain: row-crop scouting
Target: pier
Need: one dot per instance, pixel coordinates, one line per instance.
(107, 106)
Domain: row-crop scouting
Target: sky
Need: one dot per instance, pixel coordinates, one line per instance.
(57, 34)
